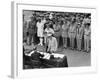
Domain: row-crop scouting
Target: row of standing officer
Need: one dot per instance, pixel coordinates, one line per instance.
(69, 29)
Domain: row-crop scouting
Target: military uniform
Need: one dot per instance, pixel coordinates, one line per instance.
(48, 32)
(65, 34)
(72, 35)
(52, 44)
(32, 31)
(79, 34)
(40, 29)
(25, 31)
(86, 39)
(57, 33)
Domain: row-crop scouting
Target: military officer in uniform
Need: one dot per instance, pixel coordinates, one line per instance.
(32, 29)
(79, 34)
(47, 31)
(65, 27)
(86, 37)
(72, 34)
(52, 43)
(57, 34)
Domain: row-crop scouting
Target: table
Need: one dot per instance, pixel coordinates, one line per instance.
(57, 60)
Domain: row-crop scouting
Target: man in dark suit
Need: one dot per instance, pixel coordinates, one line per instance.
(36, 56)
(36, 60)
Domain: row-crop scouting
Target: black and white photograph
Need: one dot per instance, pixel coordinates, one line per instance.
(54, 39)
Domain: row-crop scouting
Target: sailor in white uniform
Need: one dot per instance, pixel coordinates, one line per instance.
(40, 26)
